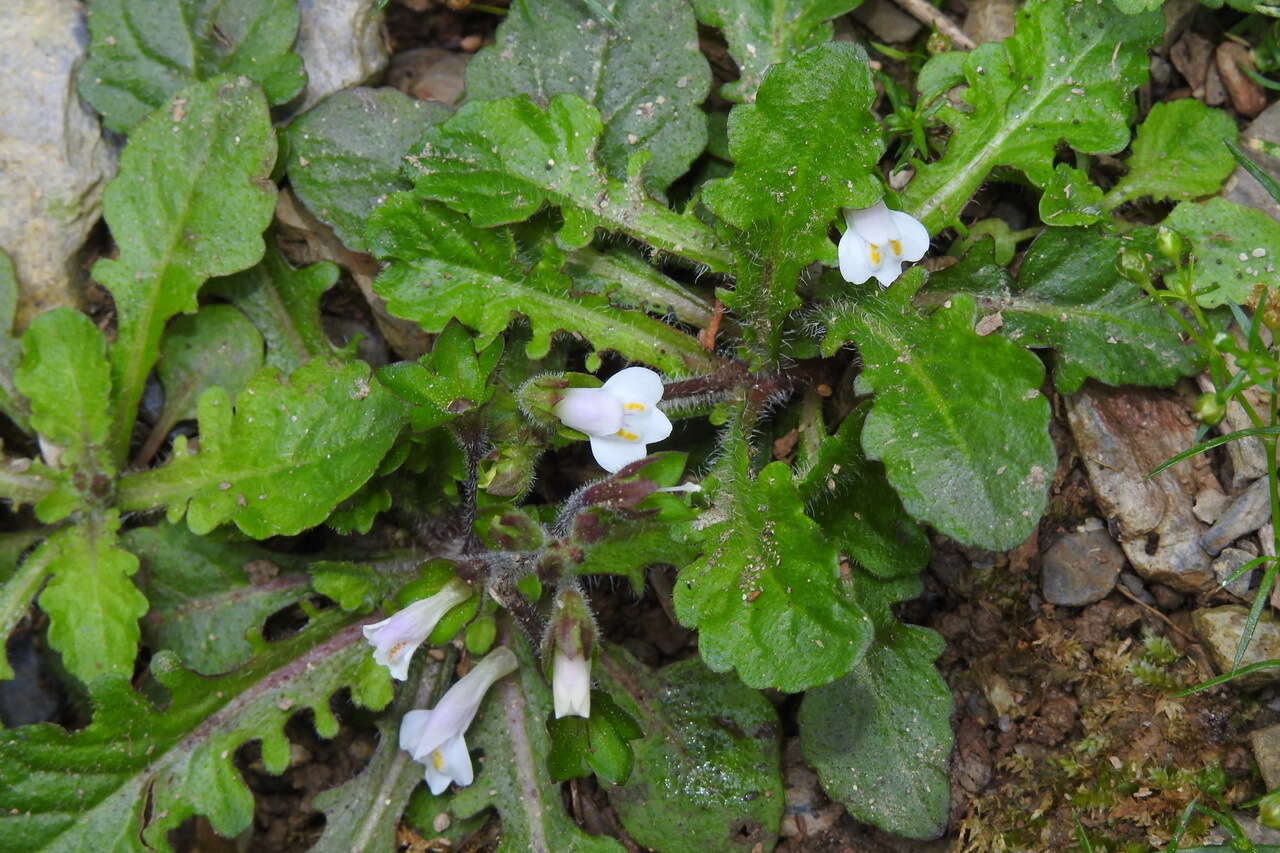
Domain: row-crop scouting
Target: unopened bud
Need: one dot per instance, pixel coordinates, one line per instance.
(1134, 266)
(1210, 409)
(1269, 810)
(1170, 244)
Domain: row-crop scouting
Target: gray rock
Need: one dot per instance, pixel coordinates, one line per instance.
(1123, 435)
(1082, 567)
(429, 74)
(1220, 629)
(1227, 564)
(1209, 505)
(989, 20)
(341, 45)
(1241, 187)
(888, 22)
(54, 162)
(1248, 511)
(1266, 751)
(1134, 584)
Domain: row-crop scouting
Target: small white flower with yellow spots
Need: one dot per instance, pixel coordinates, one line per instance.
(435, 737)
(620, 418)
(397, 637)
(878, 241)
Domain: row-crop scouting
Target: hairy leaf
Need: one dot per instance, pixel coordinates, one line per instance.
(880, 738)
(284, 304)
(287, 454)
(708, 768)
(143, 51)
(67, 379)
(502, 161)
(137, 772)
(442, 267)
(345, 154)
(762, 33)
(850, 498)
(92, 604)
(512, 724)
(766, 594)
(1177, 154)
(22, 582)
(1067, 74)
(191, 200)
(208, 597)
(644, 73)
(957, 420)
(1235, 249)
(1070, 296)
(807, 147)
(1070, 198)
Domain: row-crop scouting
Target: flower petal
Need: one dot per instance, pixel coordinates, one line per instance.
(855, 263)
(437, 781)
(614, 454)
(571, 685)
(457, 708)
(887, 273)
(457, 761)
(874, 224)
(635, 385)
(594, 411)
(657, 428)
(914, 236)
(412, 725)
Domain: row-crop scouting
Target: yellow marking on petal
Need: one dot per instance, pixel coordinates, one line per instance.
(874, 252)
(896, 246)
(395, 650)
(633, 407)
(437, 760)
(628, 436)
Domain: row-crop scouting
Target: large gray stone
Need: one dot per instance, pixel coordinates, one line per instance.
(341, 45)
(1082, 566)
(54, 162)
(1123, 435)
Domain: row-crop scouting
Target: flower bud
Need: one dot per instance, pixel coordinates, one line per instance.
(566, 651)
(1210, 409)
(1134, 266)
(1269, 810)
(1170, 244)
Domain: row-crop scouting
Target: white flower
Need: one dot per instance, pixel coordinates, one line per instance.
(878, 241)
(571, 684)
(435, 737)
(395, 639)
(620, 418)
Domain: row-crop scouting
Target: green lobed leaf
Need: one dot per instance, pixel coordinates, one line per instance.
(216, 346)
(762, 33)
(880, 738)
(766, 594)
(511, 729)
(191, 200)
(502, 161)
(1178, 154)
(1070, 296)
(65, 376)
(92, 604)
(279, 463)
(284, 304)
(442, 267)
(11, 402)
(1067, 74)
(807, 147)
(644, 73)
(142, 51)
(1070, 198)
(850, 498)
(1235, 249)
(708, 769)
(958, 420)
(205, 606)
(345, 154)
(137, 772)
(449, 381)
